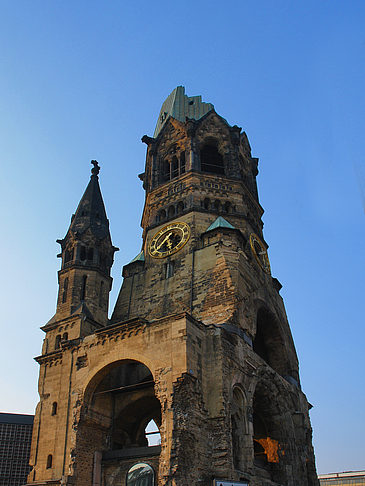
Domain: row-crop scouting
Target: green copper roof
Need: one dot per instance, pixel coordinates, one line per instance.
(220, 223)
(179, 106)
(138, 258)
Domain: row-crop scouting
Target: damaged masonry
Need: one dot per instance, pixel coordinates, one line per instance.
(194, 379)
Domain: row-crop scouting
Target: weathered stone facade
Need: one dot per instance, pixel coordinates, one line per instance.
(198, 342)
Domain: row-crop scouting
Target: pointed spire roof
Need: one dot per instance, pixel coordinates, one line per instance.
(220, 222)
(90, 212)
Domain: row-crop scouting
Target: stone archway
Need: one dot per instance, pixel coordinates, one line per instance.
(119, 402)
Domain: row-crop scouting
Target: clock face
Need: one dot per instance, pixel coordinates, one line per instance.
(260, 253)
(170, 239)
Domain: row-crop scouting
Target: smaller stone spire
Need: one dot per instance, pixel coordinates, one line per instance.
(90, 212)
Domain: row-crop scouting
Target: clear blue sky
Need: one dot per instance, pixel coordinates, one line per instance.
(85, 80)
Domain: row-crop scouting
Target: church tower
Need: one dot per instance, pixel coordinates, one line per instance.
(194, 380)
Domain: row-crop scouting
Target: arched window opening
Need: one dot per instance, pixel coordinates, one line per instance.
(171, 211)
(268, 342)
(153, 434)
(238, 427)
(267, 427)
(180, 207)
(141, 474)
(206, 203)
(82, 253)
(227, 207)
(90, 254)
(217, 206)
(58, 341)
(83, 287)
(69, 255)
(182, 163)
(65, 336)
(64, 292)
(162, 215)
(211, 160)
(54, 408)
(49, 461)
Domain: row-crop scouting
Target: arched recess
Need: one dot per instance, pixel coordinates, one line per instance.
(239, 427)
(269, 342)
(119, 402)
(272, 430)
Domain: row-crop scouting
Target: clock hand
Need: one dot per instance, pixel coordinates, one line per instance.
(163, 241)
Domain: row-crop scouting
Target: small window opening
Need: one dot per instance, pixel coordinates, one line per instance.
(227, 207)
(64, 292)
(171, 211)
(217, 206)
(83, 287)
(211, 160)
(82, 253)
(206, 203)
(90, 254)
(58, 341)
(169, 269)
(65, 336)
(49, 461)
(162, 215)
(54, 408)
(152, 434)
(180, 207)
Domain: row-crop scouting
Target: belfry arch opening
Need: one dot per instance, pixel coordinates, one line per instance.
(269, 343)
(210, 158)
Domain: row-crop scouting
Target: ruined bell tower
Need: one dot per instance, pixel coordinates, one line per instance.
(194, 380)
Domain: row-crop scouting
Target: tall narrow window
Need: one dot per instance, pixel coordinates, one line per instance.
(58, 341)
(82, 253)
(65, 287)
(182, 163)
(49, 461)
(65, 336)
(90, 254)
(101, 295)
(166, 170)
(83, 287)
(169, 269)
(54, 408)
(174, 167)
